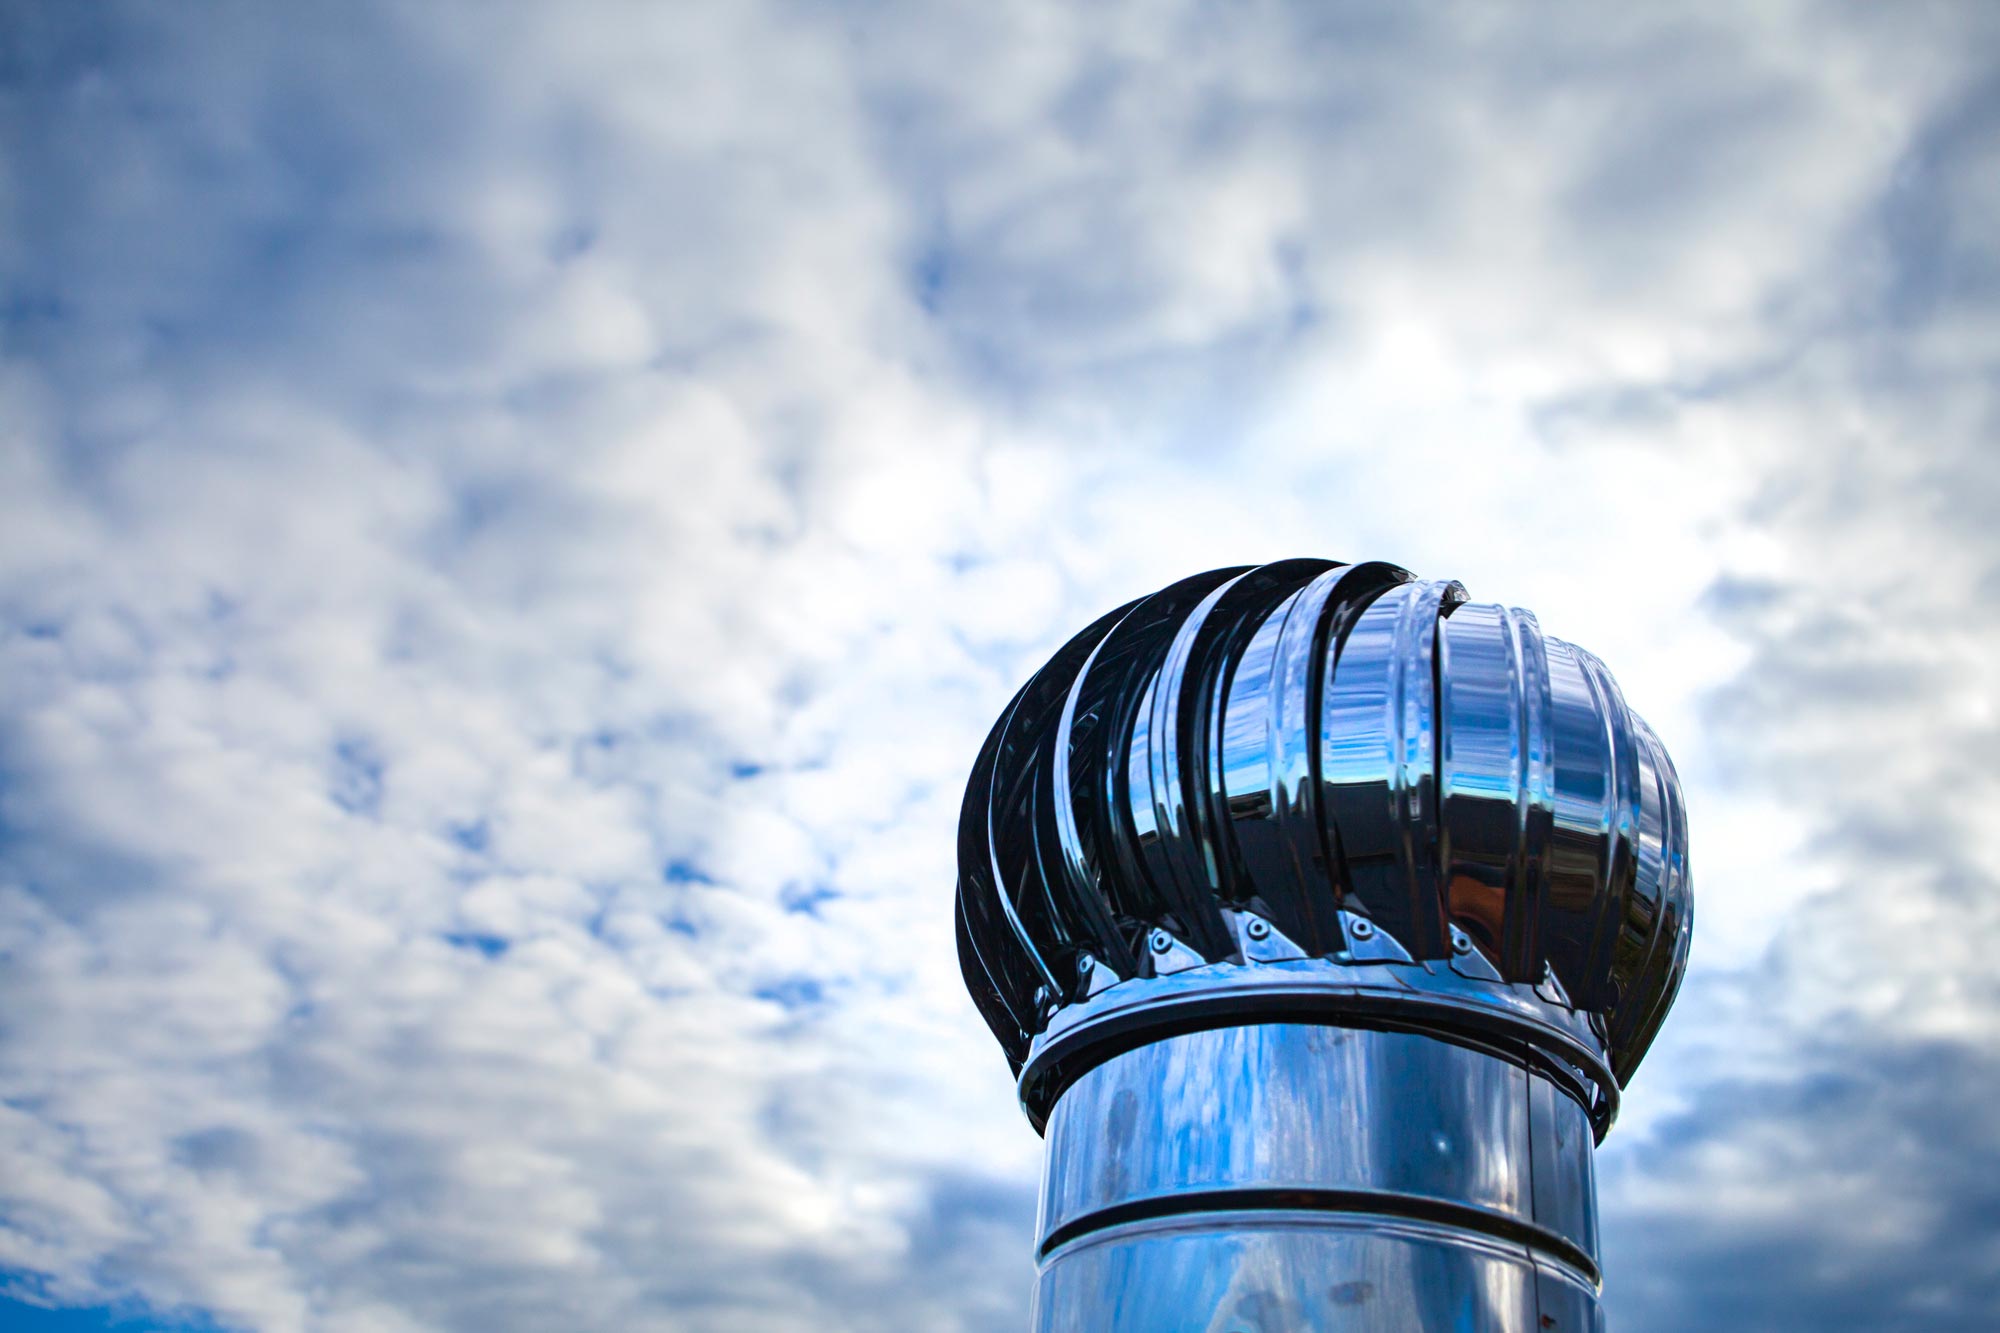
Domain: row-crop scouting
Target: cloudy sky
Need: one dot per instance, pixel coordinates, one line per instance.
(514, 522)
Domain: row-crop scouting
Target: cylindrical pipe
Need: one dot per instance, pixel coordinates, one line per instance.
(1307, 1178)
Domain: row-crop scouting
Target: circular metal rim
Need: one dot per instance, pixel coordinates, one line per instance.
(1429, 999)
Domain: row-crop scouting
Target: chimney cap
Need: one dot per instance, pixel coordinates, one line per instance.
(1315, 787)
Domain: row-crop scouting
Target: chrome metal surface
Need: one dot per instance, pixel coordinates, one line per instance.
(1322, 744)
(1427, 997)
(1270, 874)
(1287, 1176)
(1303, 1108)
(1273, 1272)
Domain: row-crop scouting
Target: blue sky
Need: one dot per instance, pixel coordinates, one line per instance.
(22, 1315)
(514, 522)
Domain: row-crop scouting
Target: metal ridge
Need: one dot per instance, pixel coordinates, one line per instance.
(1377, 774)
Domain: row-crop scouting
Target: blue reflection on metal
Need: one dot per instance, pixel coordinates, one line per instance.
(1346, 804)
(1308, 1177)
(1303, 740)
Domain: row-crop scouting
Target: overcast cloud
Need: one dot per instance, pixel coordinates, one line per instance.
(514, 522)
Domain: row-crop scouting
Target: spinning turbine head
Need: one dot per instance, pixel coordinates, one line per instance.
(1306, 797)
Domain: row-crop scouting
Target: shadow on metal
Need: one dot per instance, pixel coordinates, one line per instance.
(1322, 913)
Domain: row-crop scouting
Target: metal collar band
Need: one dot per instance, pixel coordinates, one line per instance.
(1513, 1022)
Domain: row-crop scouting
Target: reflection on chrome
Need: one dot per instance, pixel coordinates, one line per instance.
(1322, 913)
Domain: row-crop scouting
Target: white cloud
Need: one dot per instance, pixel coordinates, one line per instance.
(515, 526)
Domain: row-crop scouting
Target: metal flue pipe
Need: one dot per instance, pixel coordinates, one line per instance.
(1322, 914)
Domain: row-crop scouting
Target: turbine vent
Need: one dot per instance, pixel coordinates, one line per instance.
(1309, 797)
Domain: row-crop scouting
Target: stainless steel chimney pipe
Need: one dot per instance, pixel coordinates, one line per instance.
(1322, 914)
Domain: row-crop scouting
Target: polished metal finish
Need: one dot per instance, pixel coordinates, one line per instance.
(1306, 1272)
(1434, 998)
(1395, 858)
(1413, 1184)
(1386, 1121)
